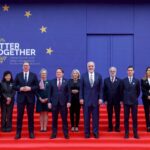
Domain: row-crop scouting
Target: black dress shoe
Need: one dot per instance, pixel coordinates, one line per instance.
(4, 130)
(45, 130)
(31, 135)
(87, 136)
(18, 136)
(136, 136)
(110, 130)
(117, 130)
(53, 136)
(8, 129)
(96, 136)
(126, 136)
(66, 136)
(148, 129)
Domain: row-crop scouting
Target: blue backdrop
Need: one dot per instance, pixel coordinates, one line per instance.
(108, 32)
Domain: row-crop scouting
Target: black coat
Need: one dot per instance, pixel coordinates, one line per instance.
(131, 91)
(57, 95)
(145, 86)
(112, 92)
(7, 90)
(20, 82)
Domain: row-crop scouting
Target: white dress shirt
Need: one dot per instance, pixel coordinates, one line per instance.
(112, 79)
(92, 75)
(130, 79)
(149, 81)
(27, 73)
(60, 81)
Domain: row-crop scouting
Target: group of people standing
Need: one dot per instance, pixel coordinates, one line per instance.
(59, 94)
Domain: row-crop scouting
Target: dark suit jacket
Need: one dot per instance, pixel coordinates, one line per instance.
(74, 86)
(59, 95)
(7, 90)
(20, 82)
(145, 88)
(112, 91)
(44, 93)
(131, 91)
(89, 94)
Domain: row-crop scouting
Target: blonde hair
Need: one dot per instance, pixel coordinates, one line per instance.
(43, 70)
(75, 71)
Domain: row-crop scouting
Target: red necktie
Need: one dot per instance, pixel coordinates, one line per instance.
(59, 84)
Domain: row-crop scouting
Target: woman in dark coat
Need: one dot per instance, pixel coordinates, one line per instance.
(42, 100)
(74, 88)
(145, 86)
(7, 101)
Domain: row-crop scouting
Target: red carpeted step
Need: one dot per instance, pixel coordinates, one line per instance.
(83, 146)
(107, 140)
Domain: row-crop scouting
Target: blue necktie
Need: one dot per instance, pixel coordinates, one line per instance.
(25, 77)
(130, 80)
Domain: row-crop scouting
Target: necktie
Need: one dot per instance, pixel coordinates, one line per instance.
(130, 80)
(91, 80)
(112, 79)
(59, 84)
(25, 77)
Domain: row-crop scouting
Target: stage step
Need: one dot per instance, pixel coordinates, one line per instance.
(106, 141)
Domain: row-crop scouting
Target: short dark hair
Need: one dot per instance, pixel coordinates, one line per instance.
(5, 74)
(130, 67)
(147, 68)
(60, 69)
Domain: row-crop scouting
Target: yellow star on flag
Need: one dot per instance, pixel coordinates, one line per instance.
(49, 51)
(5, 7)
(43, 29)
(28, 14)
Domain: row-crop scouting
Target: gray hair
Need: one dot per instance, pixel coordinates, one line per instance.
(112, 67)
(91, 62)
(26, 62)
(75, 71)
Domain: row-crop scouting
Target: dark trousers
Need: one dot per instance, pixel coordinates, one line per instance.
(30, 114)
(88, 111)
(116, 108)
(63, 112)
(6, 115)
(75, 113)
(134, 109)
(146, 104)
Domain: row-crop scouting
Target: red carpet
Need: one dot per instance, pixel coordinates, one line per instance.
(106, 141)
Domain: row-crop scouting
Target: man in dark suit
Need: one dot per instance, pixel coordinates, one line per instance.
(112, 97)
(90, 98)
(26, 83)
(131, 92)
(59, 102)
(145, 86)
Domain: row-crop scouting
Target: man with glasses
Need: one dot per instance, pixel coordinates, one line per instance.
(112, 97)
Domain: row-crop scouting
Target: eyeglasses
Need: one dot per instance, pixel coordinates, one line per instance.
(112, 71)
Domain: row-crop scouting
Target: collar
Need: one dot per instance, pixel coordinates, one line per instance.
(59, 79)
(91, 73)
(130, 77)
(112, 77)
(26, 72)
